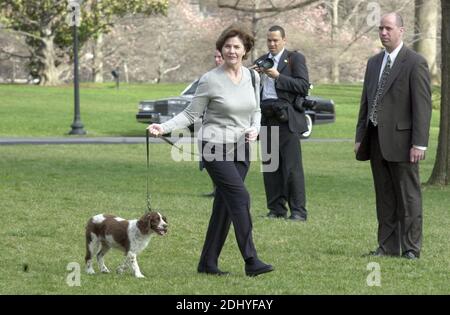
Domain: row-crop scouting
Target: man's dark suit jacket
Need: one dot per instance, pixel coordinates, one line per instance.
(404, 111)
(293, 81)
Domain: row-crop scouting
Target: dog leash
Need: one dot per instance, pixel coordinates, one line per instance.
(149, 207)
(180, 148)
(175, 146)
(147, 133)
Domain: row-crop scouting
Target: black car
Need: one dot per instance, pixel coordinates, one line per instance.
(318, 110)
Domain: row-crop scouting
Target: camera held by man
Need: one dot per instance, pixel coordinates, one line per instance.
(264, 64)
(279, 109)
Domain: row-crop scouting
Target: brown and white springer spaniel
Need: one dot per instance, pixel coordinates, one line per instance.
(105, 231)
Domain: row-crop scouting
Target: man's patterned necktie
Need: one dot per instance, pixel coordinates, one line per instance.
(380, 88)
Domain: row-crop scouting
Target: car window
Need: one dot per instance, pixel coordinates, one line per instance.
(190, 90)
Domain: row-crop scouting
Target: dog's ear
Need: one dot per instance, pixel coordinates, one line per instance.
(144, 222)
(153, 220)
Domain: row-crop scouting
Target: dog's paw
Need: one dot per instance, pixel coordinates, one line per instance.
(139, 275)
(90, 271)
(120, 270)
(104, 269)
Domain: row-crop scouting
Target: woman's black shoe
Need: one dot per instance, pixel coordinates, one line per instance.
(257, 267)
(212, 271)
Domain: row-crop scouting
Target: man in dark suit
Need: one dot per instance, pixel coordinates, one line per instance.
(282, 83)
(392, 132)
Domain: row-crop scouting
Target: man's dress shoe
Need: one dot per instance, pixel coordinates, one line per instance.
(272, 215)
(297, 217)
(377, 253)
(212, 271)
(410, 255)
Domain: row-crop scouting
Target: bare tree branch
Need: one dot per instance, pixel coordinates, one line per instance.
(22, 33)
(111, 51)
(354, 11)
(356, 38)
(267, 16)
(11, 54)
(272, 8)
(170, 69)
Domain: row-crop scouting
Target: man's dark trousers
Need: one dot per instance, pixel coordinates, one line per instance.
(278, 189)
(398, 195)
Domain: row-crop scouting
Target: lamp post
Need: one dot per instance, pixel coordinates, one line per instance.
(74, 21)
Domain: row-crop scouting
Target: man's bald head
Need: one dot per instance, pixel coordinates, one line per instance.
(391, 31)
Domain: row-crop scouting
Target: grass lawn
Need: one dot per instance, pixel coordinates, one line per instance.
(48, 111)
(47, 193)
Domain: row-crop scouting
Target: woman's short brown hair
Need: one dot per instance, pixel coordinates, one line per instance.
(233, 31)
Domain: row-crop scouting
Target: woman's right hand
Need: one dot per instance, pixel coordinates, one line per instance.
(155, 129)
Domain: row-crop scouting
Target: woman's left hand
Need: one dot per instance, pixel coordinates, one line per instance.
(251, 134)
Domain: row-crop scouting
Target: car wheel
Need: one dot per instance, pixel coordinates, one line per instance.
(309, 123)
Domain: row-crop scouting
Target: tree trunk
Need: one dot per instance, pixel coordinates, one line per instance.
(440, 174)
(426, 17)
(335, 63)
(48, 71)
(335, 66)
(125, 71)
(161, 47)
(159, 70)
(255, 22)
(97, 68)
(13, 70)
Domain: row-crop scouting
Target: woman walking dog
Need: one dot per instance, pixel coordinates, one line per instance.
(229, 97)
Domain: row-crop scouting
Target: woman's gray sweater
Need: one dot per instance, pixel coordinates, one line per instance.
(228, 109)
